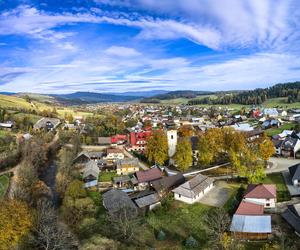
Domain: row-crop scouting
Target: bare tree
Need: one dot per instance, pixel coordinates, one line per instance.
(47, 233)
(217, 222)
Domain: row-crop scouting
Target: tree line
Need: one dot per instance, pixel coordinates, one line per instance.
(254, 97)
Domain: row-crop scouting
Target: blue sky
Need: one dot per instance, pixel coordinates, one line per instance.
(51, 46)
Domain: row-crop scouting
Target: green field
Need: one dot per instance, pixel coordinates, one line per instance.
(274, 102)
(4, 183)
(276, 131)
(107, 176)
(282, 191)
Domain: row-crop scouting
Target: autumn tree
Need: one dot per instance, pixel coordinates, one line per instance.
(15, 223)
(157, 148)
(185, 131)
(266, 148)
(184, 155)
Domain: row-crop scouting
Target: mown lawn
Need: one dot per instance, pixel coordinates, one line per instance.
(282, 191)
(275, 131)
(4, 182)
(178, 221)
(107, 176)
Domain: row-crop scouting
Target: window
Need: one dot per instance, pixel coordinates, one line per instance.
(179, 195)
(172, 137)
(267, 204)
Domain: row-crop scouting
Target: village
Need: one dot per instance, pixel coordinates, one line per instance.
(164, 155)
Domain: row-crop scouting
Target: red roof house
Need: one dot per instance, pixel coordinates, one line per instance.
(250, 208)
(261, 193)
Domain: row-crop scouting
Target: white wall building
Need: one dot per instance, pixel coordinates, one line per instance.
(172, 141)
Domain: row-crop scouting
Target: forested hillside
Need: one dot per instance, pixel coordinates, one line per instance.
(257, 96)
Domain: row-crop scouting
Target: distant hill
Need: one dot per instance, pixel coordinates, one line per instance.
(90, 97)
(189, 94)
(144, 94)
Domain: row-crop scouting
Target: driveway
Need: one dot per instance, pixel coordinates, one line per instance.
(217, 196)
(280, 164)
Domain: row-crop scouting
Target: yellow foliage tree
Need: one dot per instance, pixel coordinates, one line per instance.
(15, 223)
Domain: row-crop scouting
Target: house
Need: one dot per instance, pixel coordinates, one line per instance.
(148, 202)
(116, 201)
(262, 194)
(290, 147)
(250, 208)
(91, 171)
(292, 217)
(85, 156)
(121, 181)
(270, 112)
(104, 141)
(295, 174)
(251, 227)
(271, 123)
(144, 177)
(138, 140)
(194, 189)
(127, 166)
(245, 127)
(277, 145)
(113, 154)
(253, 135)
(164, 185)
(118, 139)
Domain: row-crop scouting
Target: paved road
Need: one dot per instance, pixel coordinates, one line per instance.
(281, 164)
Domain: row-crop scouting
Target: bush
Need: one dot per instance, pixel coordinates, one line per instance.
(161, 236)
(191, 242)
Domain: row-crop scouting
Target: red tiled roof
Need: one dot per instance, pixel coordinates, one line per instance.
(263, 191)
(148, 175)
(249, 208)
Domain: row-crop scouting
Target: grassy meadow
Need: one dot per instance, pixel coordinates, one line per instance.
(4, 183)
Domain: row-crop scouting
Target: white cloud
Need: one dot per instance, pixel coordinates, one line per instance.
(122, 51)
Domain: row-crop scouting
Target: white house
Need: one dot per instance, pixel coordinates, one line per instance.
(264, 194)
(114, 154)
(194, 189)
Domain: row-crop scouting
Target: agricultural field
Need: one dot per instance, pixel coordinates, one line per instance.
(20, 103)
(62, 111)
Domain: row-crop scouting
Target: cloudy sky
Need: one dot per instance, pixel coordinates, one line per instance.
(48, 46)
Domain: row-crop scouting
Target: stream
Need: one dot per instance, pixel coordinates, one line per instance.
(49, 178)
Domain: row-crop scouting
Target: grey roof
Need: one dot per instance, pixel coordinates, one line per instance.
(295, 172)
(91, 168)
(194, 186)
(147, 200)
(114, 200)
(292, 218)
(127, 161)
(289, 143)
(123, 178)
(251, 224)
(166, 183)
(104, 140)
